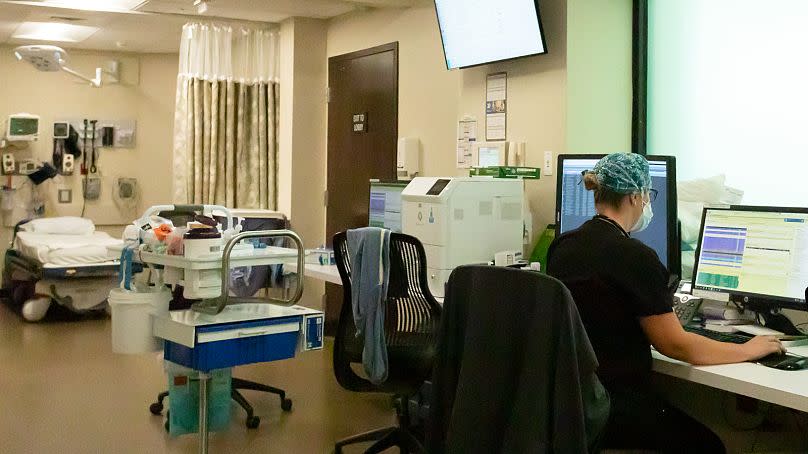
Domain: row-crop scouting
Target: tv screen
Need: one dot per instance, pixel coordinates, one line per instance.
(475, 32)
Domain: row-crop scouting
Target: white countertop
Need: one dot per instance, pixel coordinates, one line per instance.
(328, 273)
(786, 388)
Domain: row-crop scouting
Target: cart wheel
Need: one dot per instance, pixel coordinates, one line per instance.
(34, 309)
(253, 422)
(286, 404)
(156, 408)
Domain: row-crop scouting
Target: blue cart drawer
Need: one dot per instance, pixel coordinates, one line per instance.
(234, 344)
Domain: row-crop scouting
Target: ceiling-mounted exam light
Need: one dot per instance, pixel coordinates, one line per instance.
(51, 59)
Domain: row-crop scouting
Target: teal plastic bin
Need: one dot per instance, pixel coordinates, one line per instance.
(183, 399)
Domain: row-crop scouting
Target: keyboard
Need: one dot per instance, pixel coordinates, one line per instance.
(733, 338)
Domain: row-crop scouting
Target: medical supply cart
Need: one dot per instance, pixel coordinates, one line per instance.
(229, 331)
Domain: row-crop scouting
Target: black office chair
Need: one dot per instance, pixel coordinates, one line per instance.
(411, 325)
(260, 277)
(514, 371)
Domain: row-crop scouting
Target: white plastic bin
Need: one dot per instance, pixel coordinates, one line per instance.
(132, 318)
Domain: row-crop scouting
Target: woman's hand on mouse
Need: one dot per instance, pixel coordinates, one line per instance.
(760, 346)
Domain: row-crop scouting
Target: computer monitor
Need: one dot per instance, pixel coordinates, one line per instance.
(575, 205)
(755, 256)
(385, 205)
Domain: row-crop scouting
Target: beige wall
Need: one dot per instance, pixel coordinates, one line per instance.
(147, 96)
(428, 93)
(432, 99)
(302, 147)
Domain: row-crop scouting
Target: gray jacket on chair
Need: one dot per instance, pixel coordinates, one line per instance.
(369, 253)
(515, 372)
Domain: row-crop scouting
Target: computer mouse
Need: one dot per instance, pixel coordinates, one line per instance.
(792, 364)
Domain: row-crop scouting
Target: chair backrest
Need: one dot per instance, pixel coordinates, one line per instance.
(514, 368)
(412, 319)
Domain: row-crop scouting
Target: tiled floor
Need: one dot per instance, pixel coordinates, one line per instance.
(62, 390)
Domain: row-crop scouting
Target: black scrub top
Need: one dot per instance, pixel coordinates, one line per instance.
(615, 280)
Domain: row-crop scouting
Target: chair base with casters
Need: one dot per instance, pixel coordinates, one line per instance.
(252, 421)
(400, 435)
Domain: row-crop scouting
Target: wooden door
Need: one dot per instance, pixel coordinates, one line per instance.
(362, 135)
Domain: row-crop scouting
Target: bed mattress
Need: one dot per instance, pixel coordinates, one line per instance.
(66, 250)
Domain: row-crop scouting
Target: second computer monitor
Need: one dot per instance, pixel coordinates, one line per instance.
(756, 255)
(385, 205)
(575, 205)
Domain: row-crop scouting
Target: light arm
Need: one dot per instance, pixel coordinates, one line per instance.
(94, 82)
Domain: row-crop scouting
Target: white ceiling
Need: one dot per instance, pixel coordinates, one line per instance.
(156, 25)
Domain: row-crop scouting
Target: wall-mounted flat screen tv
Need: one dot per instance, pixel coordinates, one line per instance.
(476, 32)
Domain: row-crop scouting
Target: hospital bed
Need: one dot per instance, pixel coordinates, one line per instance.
(72, 268)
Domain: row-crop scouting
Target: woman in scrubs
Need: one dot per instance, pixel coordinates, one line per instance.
(624, 295)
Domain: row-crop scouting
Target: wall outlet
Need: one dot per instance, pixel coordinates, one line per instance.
(548, 163)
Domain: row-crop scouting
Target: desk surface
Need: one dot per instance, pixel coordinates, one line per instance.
(328, 273)
(786, 388)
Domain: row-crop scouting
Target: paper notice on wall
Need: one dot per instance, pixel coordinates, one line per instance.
(496, 106)
(466, 137)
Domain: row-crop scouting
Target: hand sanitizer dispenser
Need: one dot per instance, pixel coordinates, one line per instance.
(408, 160)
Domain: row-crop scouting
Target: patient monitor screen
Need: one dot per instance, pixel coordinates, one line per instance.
(754, 253)
(385, 205)
(578, 204)
(23, 126)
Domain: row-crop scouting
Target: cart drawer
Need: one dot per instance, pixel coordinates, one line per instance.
(234, 344)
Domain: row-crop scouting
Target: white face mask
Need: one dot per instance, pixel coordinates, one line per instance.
(644, 220)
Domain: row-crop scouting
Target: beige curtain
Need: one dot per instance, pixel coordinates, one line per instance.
(225, 120)
(231, 138)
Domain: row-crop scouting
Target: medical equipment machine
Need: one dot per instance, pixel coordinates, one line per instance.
(52, 58)
(575, 205)
(27, 167)
(22, 127)
(462, 221)
(59, 260)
